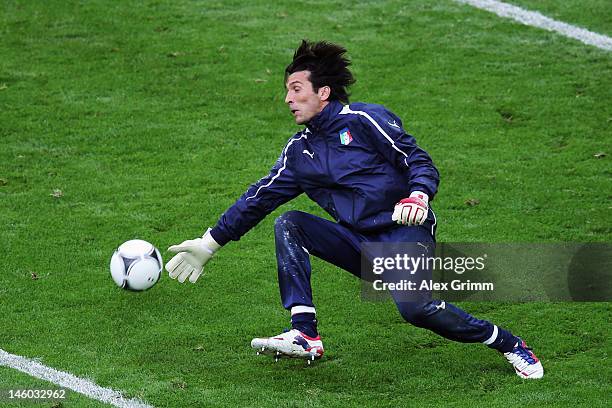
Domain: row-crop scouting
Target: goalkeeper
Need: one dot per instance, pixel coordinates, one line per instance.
(356, 162)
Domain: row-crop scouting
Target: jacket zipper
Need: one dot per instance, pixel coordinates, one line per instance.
(329, 174)
(327, 156)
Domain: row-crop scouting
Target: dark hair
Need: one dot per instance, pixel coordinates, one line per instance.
(327, 65)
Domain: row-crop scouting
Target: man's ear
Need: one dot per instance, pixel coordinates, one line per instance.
(324, 93)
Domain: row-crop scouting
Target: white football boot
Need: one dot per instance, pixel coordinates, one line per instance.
(525, 363)
(292, 343)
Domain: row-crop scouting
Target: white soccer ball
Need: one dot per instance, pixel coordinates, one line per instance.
(136, 265)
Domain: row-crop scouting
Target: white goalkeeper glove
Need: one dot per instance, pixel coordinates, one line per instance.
(191, 257)
(412, 210)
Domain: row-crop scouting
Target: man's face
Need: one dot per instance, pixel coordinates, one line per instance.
(302, 100)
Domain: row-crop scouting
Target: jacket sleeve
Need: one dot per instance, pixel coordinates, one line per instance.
(401, 149)
(260, 199)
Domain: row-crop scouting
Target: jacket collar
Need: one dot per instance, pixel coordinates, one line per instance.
(322, 118)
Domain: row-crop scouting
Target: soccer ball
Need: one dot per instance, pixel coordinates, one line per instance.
(136, 265)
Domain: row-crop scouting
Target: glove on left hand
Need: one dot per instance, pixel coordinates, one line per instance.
(412, 210)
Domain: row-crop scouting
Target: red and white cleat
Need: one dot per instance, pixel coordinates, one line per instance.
(525, 363)
(292, 343)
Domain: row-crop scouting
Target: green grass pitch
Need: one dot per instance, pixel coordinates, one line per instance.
(148, 118)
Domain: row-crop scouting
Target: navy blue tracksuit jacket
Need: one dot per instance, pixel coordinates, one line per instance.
(355, 161)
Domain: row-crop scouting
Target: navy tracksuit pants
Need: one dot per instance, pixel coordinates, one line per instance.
(299, 235)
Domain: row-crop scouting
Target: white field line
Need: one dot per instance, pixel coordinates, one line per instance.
(67, 380)
(535, 19)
